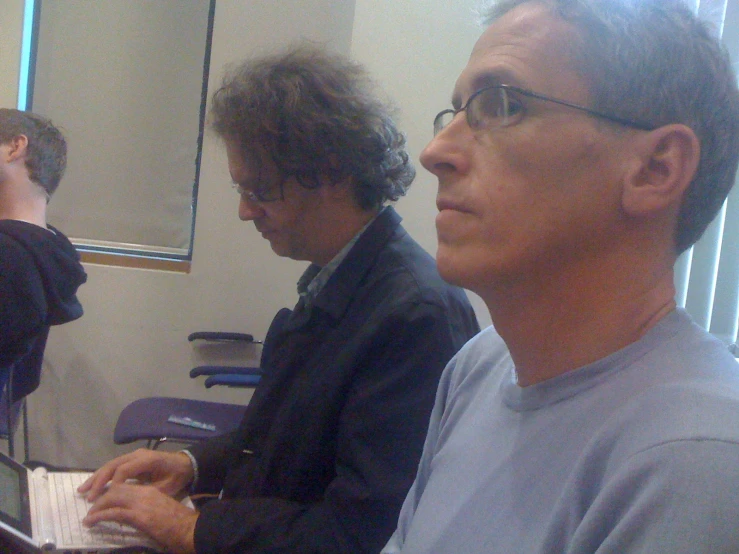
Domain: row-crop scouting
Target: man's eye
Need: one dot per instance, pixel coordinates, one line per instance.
(498, 105)
(495, 103)
(513, 107)
(491, 104)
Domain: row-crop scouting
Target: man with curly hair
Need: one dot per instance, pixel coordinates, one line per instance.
(332, 436)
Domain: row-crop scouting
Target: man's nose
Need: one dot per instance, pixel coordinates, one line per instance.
(445, 153)
(249, 210)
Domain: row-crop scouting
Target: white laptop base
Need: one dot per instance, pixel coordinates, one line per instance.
(44, 510)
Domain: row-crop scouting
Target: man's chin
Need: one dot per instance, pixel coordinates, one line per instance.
(279, 249)
(448, 269)
(463, 267)
(285, 252)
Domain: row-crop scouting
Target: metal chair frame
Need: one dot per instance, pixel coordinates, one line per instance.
(12, 412)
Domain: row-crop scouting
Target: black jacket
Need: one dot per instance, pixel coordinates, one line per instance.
(331, 439)
(39, 276)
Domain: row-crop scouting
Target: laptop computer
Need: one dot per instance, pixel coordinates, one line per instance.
(42, 510)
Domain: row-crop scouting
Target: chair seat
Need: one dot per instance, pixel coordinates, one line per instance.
(147, 419)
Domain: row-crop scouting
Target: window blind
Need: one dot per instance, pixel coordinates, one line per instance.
(707, 275)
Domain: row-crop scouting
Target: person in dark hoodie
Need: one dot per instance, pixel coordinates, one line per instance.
(40, 270)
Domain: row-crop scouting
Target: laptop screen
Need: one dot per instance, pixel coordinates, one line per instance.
(15, 508)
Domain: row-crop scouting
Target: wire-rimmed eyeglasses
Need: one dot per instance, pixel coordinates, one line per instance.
(501, 106)
(262, 193)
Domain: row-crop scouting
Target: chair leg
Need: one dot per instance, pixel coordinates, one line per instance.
(11, 431)
(26, 449)
(9, 423)
(11, 441)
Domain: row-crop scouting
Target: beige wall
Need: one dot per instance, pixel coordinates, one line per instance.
(131, 342)
(11, 28)
(416, 49)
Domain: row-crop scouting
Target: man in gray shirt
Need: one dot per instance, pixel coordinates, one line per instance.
(590, 143)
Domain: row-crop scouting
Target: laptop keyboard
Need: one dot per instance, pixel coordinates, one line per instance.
(72, 508)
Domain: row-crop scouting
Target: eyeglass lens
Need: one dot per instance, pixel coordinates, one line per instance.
(261, 193)
(488, 107)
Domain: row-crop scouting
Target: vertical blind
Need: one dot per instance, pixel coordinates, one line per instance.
(707, 275)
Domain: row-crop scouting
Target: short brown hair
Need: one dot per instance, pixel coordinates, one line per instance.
(47, 148)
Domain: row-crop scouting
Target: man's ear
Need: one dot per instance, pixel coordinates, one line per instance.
(18, 146)
(665, 164)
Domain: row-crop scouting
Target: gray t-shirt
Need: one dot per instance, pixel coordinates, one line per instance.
(637, 452)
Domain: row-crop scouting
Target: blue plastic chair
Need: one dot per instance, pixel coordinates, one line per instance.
(231, 376)
(182, 420)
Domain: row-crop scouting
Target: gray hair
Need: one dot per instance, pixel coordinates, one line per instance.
(655, 61)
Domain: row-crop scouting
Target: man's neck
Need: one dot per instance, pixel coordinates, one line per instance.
(342, 230)
(557, 325)
(23, 204)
